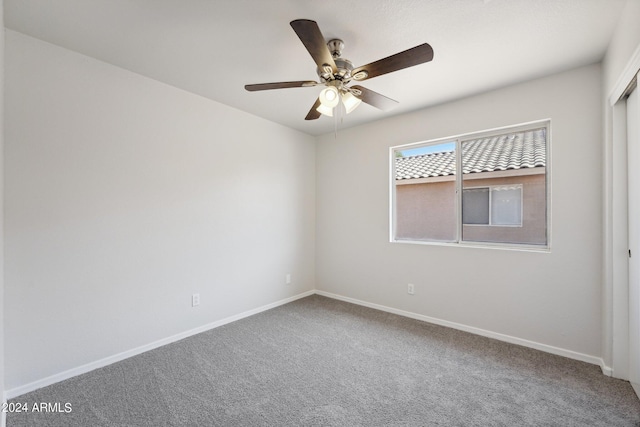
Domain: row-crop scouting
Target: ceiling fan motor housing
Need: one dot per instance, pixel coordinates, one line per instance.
(343, 65)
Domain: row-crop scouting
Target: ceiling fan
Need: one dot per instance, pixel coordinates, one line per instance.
(336, 72)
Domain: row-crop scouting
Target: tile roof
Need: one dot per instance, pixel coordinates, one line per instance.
(518, 150)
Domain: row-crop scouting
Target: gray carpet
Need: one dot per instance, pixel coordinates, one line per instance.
(321, 362)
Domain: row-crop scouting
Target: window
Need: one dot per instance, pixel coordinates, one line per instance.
(500, 198)
(497, 205)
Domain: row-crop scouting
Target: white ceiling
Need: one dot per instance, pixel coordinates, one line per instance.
(214, 47)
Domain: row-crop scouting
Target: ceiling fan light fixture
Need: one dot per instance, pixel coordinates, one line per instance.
(350, 102)
(323, 109)
(329, 97)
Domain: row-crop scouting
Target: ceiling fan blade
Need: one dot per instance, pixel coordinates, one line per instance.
(279, 85)
(310, 35)
(313, 113)
(408, 58)
(374, 98)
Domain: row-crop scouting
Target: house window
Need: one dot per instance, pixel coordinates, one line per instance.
(499, 198)
(497, 205)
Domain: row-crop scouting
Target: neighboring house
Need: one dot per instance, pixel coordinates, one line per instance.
(504, 191)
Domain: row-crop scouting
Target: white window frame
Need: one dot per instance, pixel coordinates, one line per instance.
(458, 139)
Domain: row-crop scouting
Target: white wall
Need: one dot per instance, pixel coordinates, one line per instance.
(624, 42)
(124, 196)
(548, 298)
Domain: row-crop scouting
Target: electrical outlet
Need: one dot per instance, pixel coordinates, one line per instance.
(287, 279)
(195, 300)
(410, 289)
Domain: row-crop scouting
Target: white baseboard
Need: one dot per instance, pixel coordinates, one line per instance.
(489, 334)
(606, 370)
(18, 391)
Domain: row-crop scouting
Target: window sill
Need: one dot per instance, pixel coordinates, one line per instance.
(479, 245)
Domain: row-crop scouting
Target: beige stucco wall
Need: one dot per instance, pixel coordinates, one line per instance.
(427, 211)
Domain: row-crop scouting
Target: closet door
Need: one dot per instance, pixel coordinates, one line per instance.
(633, 156)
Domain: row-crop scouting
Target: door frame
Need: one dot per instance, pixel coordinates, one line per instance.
(615, 313)
(633, 191)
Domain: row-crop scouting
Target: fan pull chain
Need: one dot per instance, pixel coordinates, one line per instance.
(338, 118)
(336, 112)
